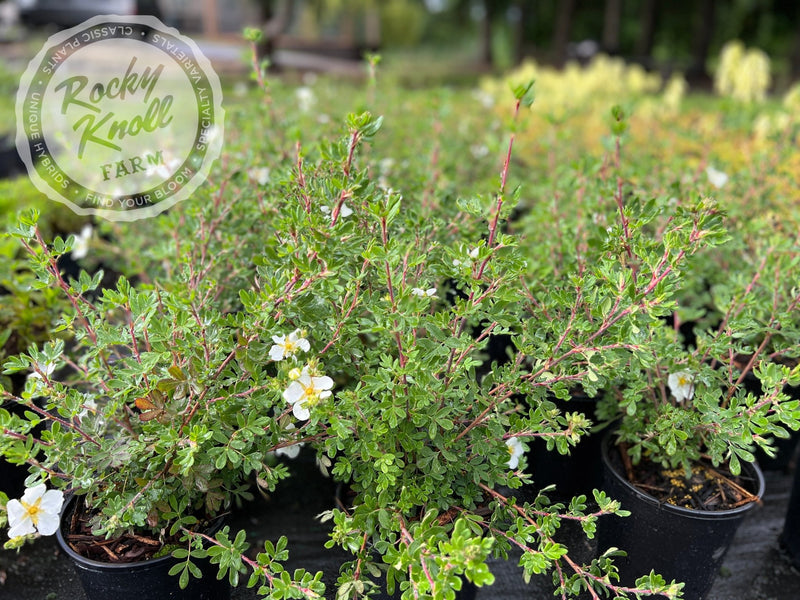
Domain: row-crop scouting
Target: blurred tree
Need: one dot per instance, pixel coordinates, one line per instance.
(612, 24)
(701, 41)
(681, 34)
(562, 31)
(490, 11)
(648, 16)
(518, 14)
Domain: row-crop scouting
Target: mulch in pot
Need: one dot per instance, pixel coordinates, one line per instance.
(126, 548)
(709, 488)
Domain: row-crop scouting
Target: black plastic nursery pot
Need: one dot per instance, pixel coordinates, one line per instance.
(578, 472)
(678, 543)
(145, 580)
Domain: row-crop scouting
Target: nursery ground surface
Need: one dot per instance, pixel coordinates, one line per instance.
(754, 568)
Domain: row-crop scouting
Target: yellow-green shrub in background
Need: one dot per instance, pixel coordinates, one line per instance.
(742, 74)
(576, 89)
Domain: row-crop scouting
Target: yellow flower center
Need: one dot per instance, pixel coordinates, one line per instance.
(312, 399)
(683, 380)
(33, 510)
(311, 395)
(289, 347)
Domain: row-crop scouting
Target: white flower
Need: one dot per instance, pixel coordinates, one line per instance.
(681, 385)
(287, 345)
(81, 247)
(42, 368)
(467, 262)
(292, 450)
(260, 174)
(164, 170)
(515, 450)
(717, 178)
(89, 408)
(344, 212)
(305, 98)
(306, 391)
(289, 451)
(37, 510)
(429, 293)
(479, 150)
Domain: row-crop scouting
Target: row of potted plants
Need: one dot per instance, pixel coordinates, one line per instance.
(418, 325)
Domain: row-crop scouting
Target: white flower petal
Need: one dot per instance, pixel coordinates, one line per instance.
(20, 528)
(32, 494)
(81, 247)
(322, 383)
(52, 501)
(515, 451)
(276, 353)
(48, 523)
(300, 411)
(716, 177)
(16, 512)
(294, 392)
(289, 451)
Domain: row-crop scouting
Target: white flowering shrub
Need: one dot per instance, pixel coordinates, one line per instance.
(343, 282)
(311, 306)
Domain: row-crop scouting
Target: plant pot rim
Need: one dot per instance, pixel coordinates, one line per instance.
(691, 513)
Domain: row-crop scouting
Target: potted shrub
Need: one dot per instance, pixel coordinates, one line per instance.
(609, 302)
(146, 425)
(686, 425)
(668, 256)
